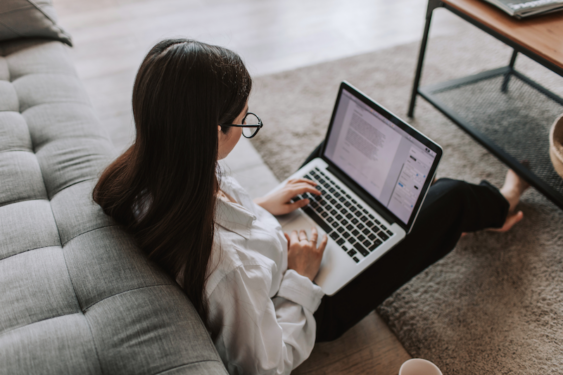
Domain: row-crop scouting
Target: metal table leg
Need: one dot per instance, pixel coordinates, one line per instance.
(432, 4)
(507, 76)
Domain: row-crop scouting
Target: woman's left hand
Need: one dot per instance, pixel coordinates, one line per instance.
(279, 202)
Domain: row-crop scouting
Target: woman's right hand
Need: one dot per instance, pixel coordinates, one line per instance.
(304, 256)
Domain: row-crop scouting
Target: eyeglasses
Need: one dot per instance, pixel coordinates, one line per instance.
(251, 125)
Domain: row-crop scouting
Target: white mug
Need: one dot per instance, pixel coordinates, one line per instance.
(417, 366)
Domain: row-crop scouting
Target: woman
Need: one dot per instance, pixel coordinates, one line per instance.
(250, 282)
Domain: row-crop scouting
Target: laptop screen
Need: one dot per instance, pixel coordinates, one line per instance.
(378, 155)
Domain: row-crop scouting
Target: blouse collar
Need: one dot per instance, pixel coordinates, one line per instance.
(233, 216)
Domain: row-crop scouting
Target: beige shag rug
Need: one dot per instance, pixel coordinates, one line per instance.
(495, 304)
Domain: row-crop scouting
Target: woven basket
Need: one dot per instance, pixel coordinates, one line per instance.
(556, 145)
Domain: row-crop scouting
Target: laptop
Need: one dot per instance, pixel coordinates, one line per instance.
(373, 174)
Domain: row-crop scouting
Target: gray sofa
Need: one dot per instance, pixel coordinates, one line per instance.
(77, 296)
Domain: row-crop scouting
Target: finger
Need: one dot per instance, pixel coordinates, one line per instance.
(290, 207)
(303, 188)
(294, 237)
(314, 235)
(303, 180)
(288, 239)
(302, 235)
(322, 246)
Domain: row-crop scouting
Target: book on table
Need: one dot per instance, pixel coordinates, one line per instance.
(527, 8)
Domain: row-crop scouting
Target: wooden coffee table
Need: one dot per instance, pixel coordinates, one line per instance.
(502, 109)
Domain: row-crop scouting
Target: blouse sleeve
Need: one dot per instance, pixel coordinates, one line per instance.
(255, 334)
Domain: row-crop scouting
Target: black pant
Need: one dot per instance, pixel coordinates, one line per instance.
(451, 208)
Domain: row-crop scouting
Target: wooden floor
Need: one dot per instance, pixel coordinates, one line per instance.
(111, 37)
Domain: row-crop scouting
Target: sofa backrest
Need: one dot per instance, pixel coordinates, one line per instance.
(77, 296)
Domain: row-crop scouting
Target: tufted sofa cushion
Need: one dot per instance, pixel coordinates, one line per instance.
(77, 296)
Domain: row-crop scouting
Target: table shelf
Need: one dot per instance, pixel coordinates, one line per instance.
(510, 115)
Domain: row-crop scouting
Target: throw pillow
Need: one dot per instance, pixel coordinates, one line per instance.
(30, 18)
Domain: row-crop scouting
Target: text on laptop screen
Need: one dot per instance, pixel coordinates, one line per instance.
(383, 159)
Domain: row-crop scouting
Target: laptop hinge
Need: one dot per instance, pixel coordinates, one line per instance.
(366, 197)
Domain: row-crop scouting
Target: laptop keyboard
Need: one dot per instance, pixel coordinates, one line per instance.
(344, 219)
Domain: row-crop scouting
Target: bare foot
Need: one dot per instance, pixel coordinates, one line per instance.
(513, 188)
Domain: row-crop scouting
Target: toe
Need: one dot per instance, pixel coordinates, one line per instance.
(511, 220)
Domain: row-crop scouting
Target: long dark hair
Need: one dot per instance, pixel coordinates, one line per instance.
(163, 188)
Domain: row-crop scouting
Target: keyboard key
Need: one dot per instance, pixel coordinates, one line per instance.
(383, 236)
(366, 232)
(367, 244)
(317, 219)
(360, 226)
(371, 216)
(334, 235)
(331, 189)
(355, 221)
(346, 235)
(383, 227)
(333, 212)
(375, 245)
(338, 206)
(361, 238)
(340, 241)
(350, 216)
(330, 219)
(355, 233)
(361, 249)
(337, 195)
(370, 224)
(356, 260)
(324, 214)
(335, 224)
(339, 217)
(352, 240)
(344, 222)
(354, 201)
(344, 211)
(389, 233)
(341, 229)
(377, 222)
(353, 209)
(347, 204)
(350, 227)
(372, 236)
(352, 252)
(342, 199)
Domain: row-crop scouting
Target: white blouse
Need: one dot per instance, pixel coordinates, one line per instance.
(260, 313)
